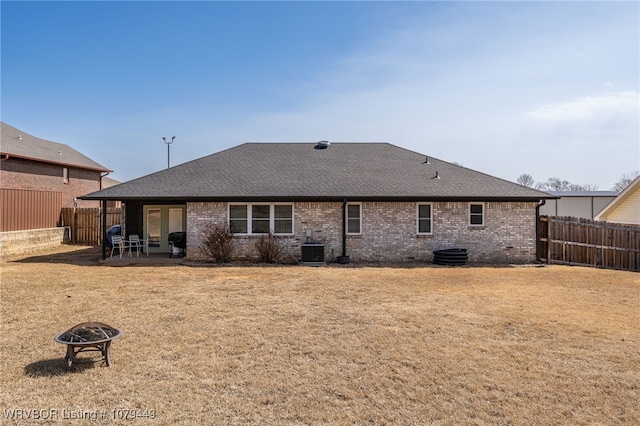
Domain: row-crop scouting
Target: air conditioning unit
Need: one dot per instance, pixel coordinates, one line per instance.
(312, 254)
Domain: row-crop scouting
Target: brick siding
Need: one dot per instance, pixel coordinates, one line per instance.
(18, 173)
(389, 231)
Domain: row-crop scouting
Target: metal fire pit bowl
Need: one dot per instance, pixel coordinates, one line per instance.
(87, 336)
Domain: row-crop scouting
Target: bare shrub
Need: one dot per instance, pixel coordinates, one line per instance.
(269, 249)
(217, 242)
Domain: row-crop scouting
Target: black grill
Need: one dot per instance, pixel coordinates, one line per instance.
(178, 239)
(177, 243)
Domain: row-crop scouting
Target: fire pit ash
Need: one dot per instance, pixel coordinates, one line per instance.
(88, 336)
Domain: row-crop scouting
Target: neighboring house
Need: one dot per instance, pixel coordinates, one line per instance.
(107, 182)
(39, 177)
(625, 208)
(368, 201)
(580, 204)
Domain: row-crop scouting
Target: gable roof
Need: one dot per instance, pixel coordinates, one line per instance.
(297, 171)
(17, 143)
(625, 195)
(107, 182)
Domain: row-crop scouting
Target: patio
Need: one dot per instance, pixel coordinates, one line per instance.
(158, 259)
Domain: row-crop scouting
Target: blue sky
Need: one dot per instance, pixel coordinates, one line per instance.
(545, 88)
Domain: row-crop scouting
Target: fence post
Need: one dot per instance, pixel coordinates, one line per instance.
(74, 221)
(549, 238)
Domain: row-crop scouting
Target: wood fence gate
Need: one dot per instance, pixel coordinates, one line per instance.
(576, 241)
(85, 223)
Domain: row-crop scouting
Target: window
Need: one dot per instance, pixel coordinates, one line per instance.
(261, 218)
(424, 219)
(65, 175)
(283, 219)
(354, 219)
(238, 219)
(476, 214)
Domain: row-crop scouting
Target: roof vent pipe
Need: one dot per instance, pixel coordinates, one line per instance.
(437, 176)
(426, 160)
(322, 145)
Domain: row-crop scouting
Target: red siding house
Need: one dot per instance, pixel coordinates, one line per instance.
(38, 177)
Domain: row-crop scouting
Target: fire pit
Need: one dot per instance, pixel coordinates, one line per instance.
(87, 336)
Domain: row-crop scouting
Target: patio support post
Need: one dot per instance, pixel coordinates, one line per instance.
(104, 229)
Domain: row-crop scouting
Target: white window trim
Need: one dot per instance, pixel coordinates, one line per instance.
(477, 225)
(418, 218)
(272, 219)
(359, 218)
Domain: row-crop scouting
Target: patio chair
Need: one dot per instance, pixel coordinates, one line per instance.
(137, 243)
(118, 243)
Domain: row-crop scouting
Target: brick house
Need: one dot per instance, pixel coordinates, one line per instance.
(369, 201)
(39, 177)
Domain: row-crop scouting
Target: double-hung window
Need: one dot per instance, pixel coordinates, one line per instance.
(239, 218)
(354, 218)
(424, 219)
(476, 214)
(261, 218)
(283, 219)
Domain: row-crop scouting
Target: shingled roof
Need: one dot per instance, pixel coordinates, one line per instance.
(298, 171)
(17, 143)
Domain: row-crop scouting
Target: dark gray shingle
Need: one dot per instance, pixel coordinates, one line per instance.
(17, 143)
(254, 171)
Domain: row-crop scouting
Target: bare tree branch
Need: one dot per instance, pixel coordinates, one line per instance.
(625, 180)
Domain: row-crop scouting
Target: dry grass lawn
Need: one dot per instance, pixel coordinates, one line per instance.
(339, 345)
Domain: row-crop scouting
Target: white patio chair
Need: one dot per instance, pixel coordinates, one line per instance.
(118, 243)
(137, 243)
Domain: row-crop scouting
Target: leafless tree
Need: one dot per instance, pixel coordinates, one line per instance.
(625, 180)
(526, 180)
(557, 184)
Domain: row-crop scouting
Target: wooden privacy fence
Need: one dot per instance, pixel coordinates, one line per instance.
(574, 241)
(85, 223)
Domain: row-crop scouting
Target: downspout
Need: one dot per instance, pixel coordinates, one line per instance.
(101, 176)
(540, 204)
(5, 157)
(344, 227)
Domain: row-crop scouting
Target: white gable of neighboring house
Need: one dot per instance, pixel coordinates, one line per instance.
(625, 208)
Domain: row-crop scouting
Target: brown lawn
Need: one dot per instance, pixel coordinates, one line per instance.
(340, 345)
